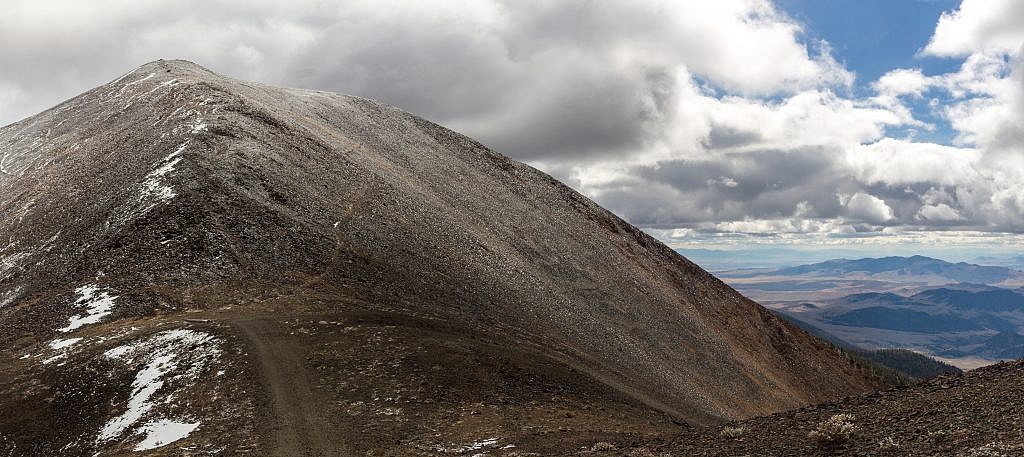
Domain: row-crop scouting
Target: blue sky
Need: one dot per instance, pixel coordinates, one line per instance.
(872, 37)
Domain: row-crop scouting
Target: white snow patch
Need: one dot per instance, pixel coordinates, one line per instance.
(467, 448)
(118, 352)
(198, 126)
(476, 445)
(48, 245)
(171, 83)
(174, 354)
(165, 84)
(153, 187)
(60, 348)
(61, 344)
(55, 358)
(10, 262)
(8, 297)
(147, 382)
(163, 432)
(98, 304)
(134, 83)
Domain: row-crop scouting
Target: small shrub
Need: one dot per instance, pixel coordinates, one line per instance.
(732, 432)
(602, 446)
(837, 429)
(888, 444)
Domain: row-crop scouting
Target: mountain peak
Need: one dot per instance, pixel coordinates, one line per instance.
(173, 66)
(310, 229)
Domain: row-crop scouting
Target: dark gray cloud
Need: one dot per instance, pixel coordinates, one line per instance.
(759, 184)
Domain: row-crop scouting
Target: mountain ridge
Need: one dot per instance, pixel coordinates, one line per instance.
(179, 209)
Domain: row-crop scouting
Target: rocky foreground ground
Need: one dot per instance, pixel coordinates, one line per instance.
(976, 414)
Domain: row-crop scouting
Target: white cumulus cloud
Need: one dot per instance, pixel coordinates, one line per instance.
(979, 26)
(868, 208)
(939, 212)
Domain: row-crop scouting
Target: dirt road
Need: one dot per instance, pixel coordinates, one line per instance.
(300, 426)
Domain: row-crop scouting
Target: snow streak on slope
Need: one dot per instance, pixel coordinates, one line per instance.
(171, 361)
(9, 296)
(154, 189)
(98, 304)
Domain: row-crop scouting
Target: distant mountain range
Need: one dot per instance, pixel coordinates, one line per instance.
(902, 269)
(775, 257)
(971, 314)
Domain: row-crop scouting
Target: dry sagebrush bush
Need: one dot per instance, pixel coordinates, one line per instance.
(732, 432)
(837, 429)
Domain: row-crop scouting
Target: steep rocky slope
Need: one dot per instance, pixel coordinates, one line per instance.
(191, 264)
